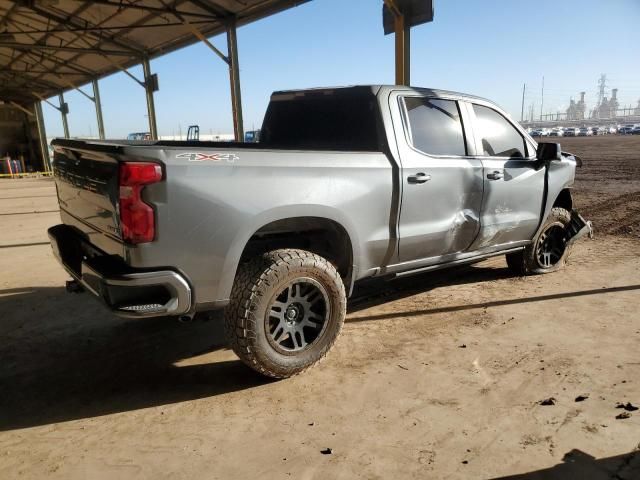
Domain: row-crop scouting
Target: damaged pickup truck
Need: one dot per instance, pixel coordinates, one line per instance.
(346, 183)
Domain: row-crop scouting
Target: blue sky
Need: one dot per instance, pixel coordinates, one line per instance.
(488, 48)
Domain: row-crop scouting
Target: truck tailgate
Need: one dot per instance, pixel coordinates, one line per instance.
(87, 184)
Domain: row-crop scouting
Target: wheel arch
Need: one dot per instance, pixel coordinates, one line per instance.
(320, 230)
(564, 200)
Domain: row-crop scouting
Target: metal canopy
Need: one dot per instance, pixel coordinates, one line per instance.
(51, 46)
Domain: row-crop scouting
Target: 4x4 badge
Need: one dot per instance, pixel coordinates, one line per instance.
(211, 157)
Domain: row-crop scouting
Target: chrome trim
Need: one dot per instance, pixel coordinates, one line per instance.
(179, 289)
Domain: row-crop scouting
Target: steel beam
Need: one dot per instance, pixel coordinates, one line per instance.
(42, 133)
(62, 48)
(44, 38)
(20, 107)
(74, 20)
(403, 43)
(98, 29)
(234, 79)
(403, 51)
(151, 108)
(96, 100)
(63, 112)
(198, 34)
(150, 9)
(35, 72)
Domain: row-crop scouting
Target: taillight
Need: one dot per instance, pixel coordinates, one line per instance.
(137, 219)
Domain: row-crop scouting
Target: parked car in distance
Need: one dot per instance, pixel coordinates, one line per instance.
(626, 129)
(636, 130)
(598, 131)
(252, 136)
(584, 132)
(571, 132)
(556, 132)
(388, 181)
(139, 136)
(611, 130)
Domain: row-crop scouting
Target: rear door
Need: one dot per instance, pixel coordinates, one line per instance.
(513, 180)
(441, 183)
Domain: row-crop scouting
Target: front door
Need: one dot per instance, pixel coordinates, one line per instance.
(513, 180)
(441, 184)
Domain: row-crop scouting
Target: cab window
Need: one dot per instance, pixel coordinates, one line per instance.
(435, 126)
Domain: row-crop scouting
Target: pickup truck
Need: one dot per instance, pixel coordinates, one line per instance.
(345, 183)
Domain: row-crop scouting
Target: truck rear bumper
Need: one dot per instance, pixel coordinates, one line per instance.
(125, 291)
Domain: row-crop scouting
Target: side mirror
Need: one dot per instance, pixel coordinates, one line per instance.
(548, 152)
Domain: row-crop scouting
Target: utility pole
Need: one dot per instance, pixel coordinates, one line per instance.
(524, 88)
(531, 112)
(542, 100)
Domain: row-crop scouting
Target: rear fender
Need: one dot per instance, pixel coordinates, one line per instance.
(232, 258)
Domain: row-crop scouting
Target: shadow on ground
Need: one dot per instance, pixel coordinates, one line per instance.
(577, 465)
(371, 292)
(65, 357)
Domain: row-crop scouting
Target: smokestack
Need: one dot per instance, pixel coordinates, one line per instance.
(614, 94)
(582, 94)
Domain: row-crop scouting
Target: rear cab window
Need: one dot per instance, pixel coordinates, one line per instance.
(344, 120)
(435, 126)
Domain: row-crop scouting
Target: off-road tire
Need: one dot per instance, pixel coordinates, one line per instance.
(256, 283)
(525, 262)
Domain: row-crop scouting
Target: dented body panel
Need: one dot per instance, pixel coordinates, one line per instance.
(216, 198)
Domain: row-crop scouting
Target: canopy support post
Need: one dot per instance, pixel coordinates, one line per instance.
(149, 89)
(42, 134)
(402, 32)
(96, 101)
(64, 109)
(234, 79)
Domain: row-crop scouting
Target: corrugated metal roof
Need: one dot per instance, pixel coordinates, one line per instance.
(49, 46)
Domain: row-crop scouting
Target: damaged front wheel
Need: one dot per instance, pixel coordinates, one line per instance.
(549, 252)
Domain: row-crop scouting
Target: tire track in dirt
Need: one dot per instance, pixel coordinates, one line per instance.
(617, 216)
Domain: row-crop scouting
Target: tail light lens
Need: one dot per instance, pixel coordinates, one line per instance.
(137, 218)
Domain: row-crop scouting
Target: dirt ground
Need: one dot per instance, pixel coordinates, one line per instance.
(437, 376)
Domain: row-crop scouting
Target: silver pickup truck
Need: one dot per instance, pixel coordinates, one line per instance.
(345, 183)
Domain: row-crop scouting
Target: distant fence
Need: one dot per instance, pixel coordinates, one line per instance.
(582, 122)
(14, 168)
(26, 175)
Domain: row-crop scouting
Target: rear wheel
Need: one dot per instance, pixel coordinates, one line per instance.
(549, 251)
(286, 311)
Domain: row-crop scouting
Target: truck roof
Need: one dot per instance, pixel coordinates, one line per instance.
(372, 89)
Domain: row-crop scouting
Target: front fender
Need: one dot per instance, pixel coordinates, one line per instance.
(560, 176)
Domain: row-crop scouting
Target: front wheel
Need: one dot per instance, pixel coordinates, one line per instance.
(286, 311)
(549, 252)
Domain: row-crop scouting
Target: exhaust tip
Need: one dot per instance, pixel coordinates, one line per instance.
(73, 286)
(185, 318)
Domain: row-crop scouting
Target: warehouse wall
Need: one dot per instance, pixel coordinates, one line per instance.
(19, 137)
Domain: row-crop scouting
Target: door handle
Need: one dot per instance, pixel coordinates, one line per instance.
(497, 175)
(418, 178)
